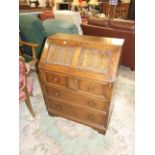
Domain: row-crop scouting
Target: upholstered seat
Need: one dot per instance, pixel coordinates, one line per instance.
(22, 94)
(53, 26)
(34, 31)
(70, 16)
(48, 14)
(25, 84)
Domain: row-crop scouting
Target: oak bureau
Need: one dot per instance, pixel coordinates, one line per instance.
(77, 74)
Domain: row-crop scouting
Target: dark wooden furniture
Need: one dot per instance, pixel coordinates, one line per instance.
(114, 29)
(131, 12)
(32, 10)
(24, 7)
(120, 12)
(23, 4)
(77, 75)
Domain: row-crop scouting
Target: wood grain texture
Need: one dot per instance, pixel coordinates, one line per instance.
(120, 12)
(78, 87)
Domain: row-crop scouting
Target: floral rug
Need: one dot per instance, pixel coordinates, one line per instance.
(46, 135)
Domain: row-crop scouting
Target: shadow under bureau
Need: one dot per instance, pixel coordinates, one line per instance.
(77, 75)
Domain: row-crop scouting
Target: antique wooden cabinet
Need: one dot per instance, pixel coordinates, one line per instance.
(120, 12)
(77, 75)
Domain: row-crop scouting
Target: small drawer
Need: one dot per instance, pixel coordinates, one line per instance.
(56, 79)
(103, 90)
(76, 113)
(77, 99)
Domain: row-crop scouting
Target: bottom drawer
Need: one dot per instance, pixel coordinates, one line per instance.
(76, 113)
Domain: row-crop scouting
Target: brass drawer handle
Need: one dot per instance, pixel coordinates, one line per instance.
(104, 113)
(110, 85)
(90, 87)
(56, 94)
(58, 107)
(91, 117)
(91, 103)
(56, 79)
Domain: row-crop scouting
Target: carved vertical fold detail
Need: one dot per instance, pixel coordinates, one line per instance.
(72, 83)
(61, 55)
(95, 60)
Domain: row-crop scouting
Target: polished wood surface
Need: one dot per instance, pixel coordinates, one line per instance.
(76, 43)
(33, 46)
(77, 75)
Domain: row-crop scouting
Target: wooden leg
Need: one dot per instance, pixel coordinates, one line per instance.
(28, 103)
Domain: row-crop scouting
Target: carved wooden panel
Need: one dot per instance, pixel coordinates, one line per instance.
(95, 60)
(61, 55)
(121, 10)
(72, 83)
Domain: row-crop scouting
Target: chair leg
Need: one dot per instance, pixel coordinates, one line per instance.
(28, 103)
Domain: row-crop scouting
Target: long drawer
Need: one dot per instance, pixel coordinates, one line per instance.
(76, 98)
(83, 115)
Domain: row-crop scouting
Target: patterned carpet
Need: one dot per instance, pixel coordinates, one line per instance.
(46, 135)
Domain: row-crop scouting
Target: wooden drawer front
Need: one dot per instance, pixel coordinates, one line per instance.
(56, 79)
(94, 88)
(77, 99)
(76, 113)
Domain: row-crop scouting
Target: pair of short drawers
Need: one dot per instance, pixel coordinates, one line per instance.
(101, 90)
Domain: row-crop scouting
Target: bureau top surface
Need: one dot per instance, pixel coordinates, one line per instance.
(82, 56)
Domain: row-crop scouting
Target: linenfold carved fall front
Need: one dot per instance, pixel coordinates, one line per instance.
(89, 59)
(77, 75)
